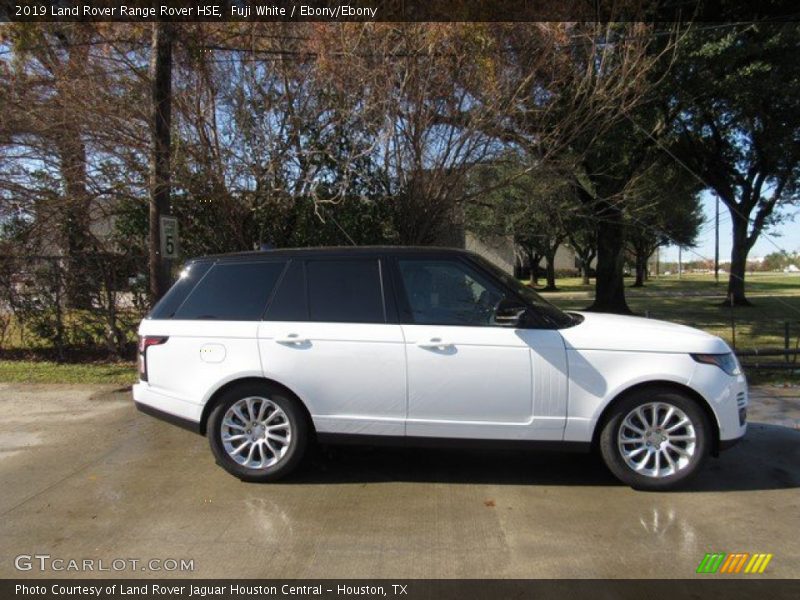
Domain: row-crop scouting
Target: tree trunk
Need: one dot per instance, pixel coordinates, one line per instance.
(533, 264)
(550, 267)
(609, 283)
(639, 273)
(71, 149)
(161, 97)
(107, 300)
(586, 265)
(741, 248)
(77, 240)
(641, 267)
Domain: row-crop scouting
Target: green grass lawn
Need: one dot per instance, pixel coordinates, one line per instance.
(690, 283)
(25, 371)
(759, 326)
(693, 300)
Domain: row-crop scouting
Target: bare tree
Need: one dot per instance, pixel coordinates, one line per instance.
(564, 87)
(44, 113)
(428, 131)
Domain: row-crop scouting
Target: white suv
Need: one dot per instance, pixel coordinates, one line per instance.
(265, 352)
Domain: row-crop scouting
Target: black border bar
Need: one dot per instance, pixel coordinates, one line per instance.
(708, 586)
(397, 10)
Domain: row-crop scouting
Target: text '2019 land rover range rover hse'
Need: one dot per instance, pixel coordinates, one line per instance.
(263, 352)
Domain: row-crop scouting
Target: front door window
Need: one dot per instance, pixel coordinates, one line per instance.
(448, 292)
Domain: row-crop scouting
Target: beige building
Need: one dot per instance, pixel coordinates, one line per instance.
(500, 250)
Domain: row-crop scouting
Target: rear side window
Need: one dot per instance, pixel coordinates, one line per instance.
(232, 292)
(345, 291)
(191, 274)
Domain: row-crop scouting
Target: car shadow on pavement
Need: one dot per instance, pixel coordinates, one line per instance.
(767, 458)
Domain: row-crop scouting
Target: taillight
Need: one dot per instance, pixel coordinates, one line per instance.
(144, 343)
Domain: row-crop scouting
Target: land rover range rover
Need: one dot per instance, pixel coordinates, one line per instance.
(265, 352)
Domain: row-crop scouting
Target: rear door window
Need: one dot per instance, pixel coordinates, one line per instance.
(232, 292)
(345, 291)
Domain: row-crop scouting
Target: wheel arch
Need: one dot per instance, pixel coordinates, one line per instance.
(660, 384)
(215, 397)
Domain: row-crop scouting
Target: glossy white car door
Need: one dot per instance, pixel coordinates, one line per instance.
(351, 376)
(485, 382)
(344, 360)
(467, 375)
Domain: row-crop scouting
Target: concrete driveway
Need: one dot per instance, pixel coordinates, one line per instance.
(84, 476)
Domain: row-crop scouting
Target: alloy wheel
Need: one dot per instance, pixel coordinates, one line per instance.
(255, 432)
(657, 439)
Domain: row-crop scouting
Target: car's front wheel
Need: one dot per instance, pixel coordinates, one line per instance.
(655, 439)
(257, 432)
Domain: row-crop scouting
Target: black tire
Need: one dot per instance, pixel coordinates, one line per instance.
(297, 421)
(610, 445)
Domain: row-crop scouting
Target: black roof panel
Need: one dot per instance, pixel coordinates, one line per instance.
(333, 251)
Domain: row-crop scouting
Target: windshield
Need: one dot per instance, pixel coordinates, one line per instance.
(552, 314)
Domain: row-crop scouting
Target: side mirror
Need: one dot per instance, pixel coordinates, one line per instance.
(510, 313)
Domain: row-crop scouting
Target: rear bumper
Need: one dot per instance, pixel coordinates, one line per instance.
(192, 426)
(167, 408)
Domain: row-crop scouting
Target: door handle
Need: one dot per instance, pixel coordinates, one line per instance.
(291, 338)
(435, 342)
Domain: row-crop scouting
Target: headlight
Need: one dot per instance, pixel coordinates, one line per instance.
(726, 362)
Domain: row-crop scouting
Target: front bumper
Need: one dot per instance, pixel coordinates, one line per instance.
(727, 395)
(728, 444)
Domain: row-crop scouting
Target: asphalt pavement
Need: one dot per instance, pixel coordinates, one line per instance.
(85, 477)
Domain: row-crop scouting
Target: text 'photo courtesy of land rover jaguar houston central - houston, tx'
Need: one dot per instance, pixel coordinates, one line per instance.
(266, 352)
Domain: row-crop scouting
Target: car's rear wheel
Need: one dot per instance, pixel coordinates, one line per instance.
(257, 432)
(655, 439)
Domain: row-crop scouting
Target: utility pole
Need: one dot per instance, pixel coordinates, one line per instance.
(160, 120)
(716, 242)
